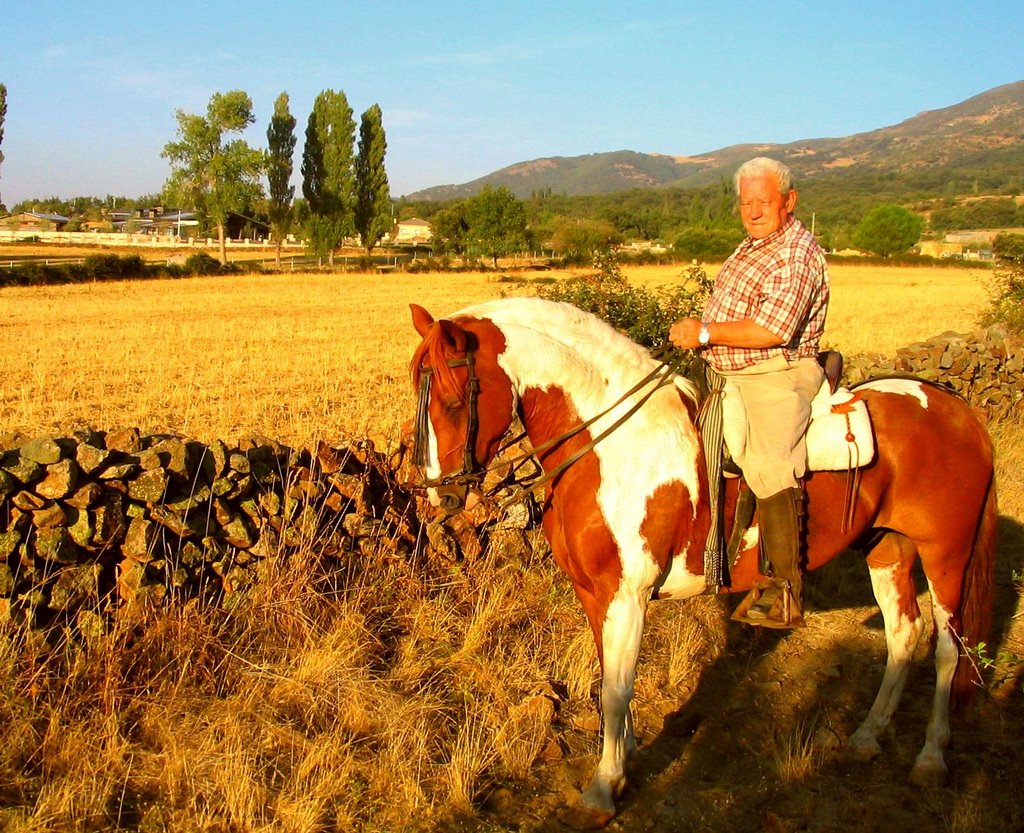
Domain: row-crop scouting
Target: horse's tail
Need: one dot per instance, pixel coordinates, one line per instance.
(976, 601)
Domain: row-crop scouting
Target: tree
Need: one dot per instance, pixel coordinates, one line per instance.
(706, 244)
(579, 239)
(280, 153)
(3, 115)
(448, 228)
(373, 196)
(888, 230)
(1009, 247)
(497, 223)
(213, 177)
(327, 179)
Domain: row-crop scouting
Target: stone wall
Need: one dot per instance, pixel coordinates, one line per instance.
(95, 520)
(985, 366)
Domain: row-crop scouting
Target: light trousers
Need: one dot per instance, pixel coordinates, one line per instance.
(767, 409)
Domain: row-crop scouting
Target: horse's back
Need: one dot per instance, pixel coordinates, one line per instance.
(930, 479)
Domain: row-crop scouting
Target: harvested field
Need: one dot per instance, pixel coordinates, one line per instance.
(390, 693)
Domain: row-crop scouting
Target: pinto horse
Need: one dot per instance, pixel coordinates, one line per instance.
(628, 519)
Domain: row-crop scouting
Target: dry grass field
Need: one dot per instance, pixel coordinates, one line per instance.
(445, 696)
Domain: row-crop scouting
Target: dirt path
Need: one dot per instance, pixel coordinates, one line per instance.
(759, 745)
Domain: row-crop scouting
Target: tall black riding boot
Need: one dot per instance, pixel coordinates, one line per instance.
(778, 603)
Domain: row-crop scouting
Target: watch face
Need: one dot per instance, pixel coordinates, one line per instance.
(704, 336)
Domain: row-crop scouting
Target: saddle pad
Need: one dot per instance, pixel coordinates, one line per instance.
(840, 435)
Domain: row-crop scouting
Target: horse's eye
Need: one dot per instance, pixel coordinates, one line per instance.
(452, 406)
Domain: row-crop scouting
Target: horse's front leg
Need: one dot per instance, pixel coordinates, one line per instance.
(621, 632)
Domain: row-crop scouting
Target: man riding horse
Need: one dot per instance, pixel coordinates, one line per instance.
(760, 331)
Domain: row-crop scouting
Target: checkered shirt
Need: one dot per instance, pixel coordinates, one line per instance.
(780, 282)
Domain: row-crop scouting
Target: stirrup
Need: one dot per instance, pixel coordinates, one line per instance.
(770, 604)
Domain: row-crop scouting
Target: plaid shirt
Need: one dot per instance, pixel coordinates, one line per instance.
(780, 282)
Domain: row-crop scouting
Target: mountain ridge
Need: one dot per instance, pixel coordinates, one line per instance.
(991, 122)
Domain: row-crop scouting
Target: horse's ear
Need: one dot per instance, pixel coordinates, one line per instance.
(421, 319)
(454, 336)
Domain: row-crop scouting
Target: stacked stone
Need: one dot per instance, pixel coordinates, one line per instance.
(92, 520)
(986, 367)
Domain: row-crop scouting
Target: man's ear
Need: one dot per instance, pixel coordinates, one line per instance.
(791, 201)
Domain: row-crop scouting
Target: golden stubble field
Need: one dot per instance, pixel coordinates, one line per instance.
(299, 357)
(446, 696)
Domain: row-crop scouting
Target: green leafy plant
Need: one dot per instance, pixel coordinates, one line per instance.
(1006, 299)
(642, 314)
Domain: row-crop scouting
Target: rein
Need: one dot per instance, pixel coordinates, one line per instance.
(471, 474)
(662, 373)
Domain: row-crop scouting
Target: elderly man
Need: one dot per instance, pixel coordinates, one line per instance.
(760, 330)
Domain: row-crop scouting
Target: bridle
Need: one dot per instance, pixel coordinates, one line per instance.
(470, 471)
(452, 487)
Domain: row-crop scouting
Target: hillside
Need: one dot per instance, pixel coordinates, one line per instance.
(985, 132)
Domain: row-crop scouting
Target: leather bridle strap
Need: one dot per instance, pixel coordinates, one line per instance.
(472, 418)
(419, 457)
(662, 374)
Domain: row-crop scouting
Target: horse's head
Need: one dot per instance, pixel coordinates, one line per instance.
(464, 407)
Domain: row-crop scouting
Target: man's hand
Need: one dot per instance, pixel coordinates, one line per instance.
(684, 333)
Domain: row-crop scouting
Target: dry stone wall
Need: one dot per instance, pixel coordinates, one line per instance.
(986, 367)
(95, 520)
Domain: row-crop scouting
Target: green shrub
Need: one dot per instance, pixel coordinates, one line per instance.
(1009, 247)
(643, 315)
(201, 263)
(706, 244)
(112, 267)
(1006, 299)
(34, 274)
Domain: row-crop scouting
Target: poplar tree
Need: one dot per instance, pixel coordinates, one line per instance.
(373, 196)
(3, 115)
(212, 176)
(327, 177)
(280, 164)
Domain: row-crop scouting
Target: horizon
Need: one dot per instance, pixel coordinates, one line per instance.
(467, 90)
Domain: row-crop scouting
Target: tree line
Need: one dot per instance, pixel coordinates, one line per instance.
(344, 181)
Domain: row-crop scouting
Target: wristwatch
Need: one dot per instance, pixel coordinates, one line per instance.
(704, 336)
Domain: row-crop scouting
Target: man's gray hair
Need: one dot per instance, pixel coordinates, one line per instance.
(761, 165)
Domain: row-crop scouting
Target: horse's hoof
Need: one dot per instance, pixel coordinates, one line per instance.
(582, 817)
(929, 774)
(863, 749)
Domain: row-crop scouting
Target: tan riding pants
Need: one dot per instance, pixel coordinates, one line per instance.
(766, 410)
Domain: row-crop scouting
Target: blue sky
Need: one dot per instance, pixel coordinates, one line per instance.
(470, 87)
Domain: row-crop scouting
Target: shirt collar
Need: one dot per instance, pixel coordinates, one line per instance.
(752, 243)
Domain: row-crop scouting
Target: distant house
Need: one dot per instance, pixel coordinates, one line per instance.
(174, 221)
(30, 221)
(155, 220)
(411, 232)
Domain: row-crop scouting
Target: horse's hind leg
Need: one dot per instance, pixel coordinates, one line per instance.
(890, 564)
(930, 767)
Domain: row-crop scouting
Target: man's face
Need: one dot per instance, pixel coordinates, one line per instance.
(762, 208)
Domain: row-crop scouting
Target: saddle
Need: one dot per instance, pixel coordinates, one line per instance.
(839, 438)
